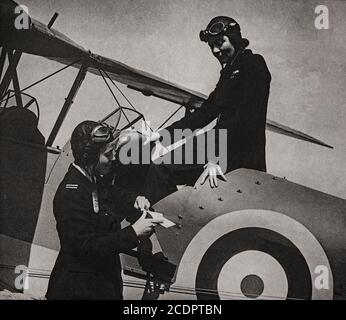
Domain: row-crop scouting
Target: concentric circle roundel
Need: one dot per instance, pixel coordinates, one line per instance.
(264, 279)
(254, 254)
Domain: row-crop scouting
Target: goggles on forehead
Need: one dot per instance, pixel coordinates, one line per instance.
(102, 133)
(215, 29)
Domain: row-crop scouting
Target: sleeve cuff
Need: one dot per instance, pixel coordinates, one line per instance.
(130, 237)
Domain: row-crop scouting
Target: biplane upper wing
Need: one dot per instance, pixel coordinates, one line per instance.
(47, 42)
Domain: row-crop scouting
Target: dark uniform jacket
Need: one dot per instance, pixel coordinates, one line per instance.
(88, 264)
(240, 102)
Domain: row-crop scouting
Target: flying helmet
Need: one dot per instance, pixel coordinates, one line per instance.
(87, 140)
(223, 25)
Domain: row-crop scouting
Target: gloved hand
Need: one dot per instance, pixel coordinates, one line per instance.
(212, 171)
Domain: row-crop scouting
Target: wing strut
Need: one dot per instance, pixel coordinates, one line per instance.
(15, 83)
(2, 60)
(68, 103)
(8, 77)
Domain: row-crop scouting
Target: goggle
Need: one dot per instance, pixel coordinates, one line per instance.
(215, 29)
(102, 133)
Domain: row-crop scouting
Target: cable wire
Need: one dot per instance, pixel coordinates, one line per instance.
(115, 98)
(43, 79)
(169, 118)
(128, 101)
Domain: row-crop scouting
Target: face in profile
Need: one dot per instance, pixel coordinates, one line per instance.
(222, 48)
(106, 156)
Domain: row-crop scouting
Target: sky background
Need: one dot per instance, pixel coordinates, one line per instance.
(161, 37)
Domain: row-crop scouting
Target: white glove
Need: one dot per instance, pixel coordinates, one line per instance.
(212, 171)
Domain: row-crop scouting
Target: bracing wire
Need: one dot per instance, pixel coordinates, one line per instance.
(170, 117)
(133, 107)
(115, 85)
(128, 101)
(43, 79)
(112, 93)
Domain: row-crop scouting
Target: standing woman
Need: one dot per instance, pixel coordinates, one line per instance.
(88, 213)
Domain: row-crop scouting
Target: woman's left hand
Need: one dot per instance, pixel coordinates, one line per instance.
(142, 203)
(212, 171)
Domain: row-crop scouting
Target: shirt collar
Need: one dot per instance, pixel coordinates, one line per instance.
(84, 173)
(234, 62)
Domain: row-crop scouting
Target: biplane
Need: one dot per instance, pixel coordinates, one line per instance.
(256, 236)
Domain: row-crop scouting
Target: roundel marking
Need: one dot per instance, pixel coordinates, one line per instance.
(278, 232)
(266, 254)
(251, 280)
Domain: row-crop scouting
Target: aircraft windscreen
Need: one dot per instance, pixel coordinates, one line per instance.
(27, 101)
(124, 118)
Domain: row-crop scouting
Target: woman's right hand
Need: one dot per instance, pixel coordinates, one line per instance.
(145, 226)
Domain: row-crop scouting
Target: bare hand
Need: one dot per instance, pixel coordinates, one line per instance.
(144, 226)
(142, 203)
(212, 171)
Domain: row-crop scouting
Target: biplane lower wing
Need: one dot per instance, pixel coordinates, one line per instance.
(47, 42)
